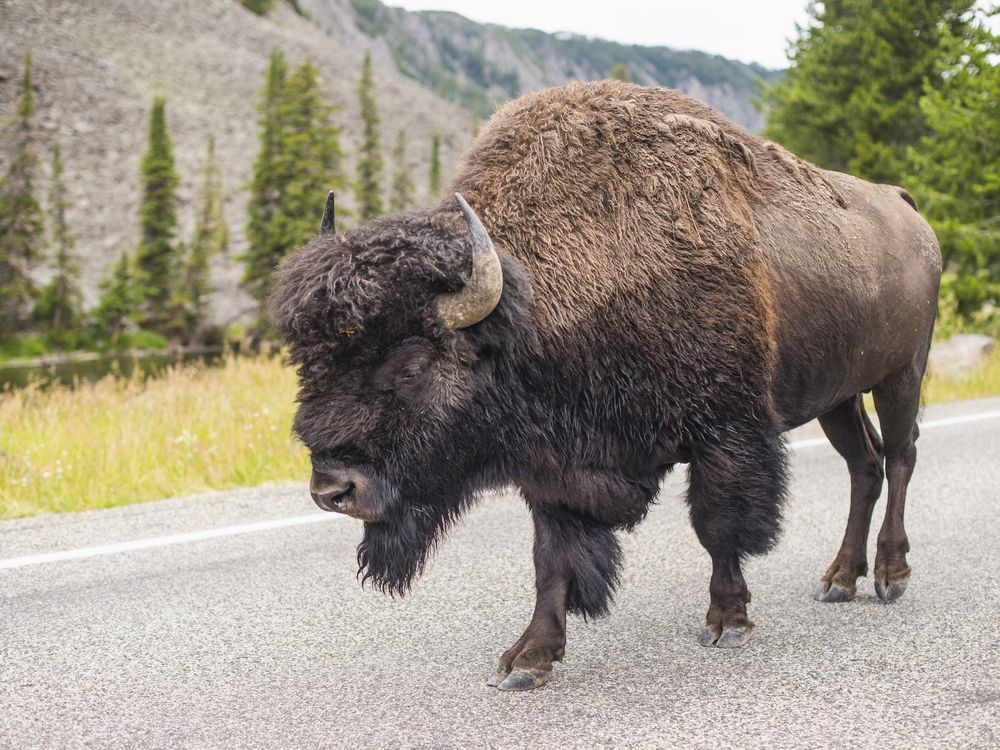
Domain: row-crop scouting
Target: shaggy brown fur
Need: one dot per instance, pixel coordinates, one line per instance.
(675, 290)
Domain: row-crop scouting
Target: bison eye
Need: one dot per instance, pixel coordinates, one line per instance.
(407, 370)
(410, 373)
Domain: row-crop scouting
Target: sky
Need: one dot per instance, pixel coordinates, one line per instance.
(739, 29)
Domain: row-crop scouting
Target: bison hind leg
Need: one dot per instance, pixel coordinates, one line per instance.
(852, 434)
(897, 401)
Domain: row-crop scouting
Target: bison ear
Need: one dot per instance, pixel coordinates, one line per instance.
(482, 290)
(327, 225)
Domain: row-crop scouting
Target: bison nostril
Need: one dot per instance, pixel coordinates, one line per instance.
(329, 491)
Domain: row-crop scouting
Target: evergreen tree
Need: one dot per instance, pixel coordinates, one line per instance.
(211, 238)
(116, 306)
(850, 100)
(955, 169)
(21, 220)
(267, 183)
(401, 196)
(368, 187)
(300, 159)
(620, 72)
(59, 306)
(310, 155)
(434, 177)
(155, 256)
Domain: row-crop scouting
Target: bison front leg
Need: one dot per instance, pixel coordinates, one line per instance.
(576, 570)
(735, 497)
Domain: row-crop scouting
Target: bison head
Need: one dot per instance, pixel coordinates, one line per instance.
(406, 333)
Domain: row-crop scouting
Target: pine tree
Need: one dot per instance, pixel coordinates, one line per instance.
(955, 171)
(155, 256)
(59, 306)
(850, 100)
(116, 306)
(211, 238)
(401, 196)
(267, 184)
(310, 155)
(300, 159)
(21, 219)
(434, 177)
(368, 187)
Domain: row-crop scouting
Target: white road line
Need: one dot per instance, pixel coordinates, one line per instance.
(164, 541)
(280, 523)
(808, 443)
(959, 420)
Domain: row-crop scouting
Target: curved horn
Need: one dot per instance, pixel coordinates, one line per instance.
(481, 294)
(326, 226)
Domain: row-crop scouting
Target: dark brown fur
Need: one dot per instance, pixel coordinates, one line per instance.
(676, 290)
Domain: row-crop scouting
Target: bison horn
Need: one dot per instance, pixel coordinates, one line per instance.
(481, 294)
(326, 226)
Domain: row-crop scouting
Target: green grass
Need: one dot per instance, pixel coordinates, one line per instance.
(23, 347)
(194, 429)
(35, 345)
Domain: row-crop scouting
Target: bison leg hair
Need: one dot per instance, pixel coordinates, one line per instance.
(736, 486)
(897, 400)
(576, 570)
(854, 437)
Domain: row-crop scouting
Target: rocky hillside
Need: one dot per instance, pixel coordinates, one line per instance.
(479, 65)
(97, 66)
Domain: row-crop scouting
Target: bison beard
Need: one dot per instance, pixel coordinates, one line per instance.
(392, 555)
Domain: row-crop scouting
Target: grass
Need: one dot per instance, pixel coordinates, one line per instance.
(194, 429)
(981, 382)
(31, 346)
(115, 442)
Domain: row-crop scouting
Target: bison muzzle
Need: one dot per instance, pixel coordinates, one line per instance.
(621, 282)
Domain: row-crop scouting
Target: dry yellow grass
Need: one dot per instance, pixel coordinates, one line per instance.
(194, 429)
(116, 442)
(981, 382)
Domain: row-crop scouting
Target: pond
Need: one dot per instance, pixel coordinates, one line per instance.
(87, 368)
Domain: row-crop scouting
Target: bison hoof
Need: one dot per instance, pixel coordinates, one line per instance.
(831, 592)
(890, 591)
(713, 635)
(498, 675)
(518, 679)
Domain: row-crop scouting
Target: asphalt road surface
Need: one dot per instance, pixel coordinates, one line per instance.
(193, 633)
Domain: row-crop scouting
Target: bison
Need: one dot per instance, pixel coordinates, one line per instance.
(623, 281)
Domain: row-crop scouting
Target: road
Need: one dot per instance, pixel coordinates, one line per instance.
(261, 637)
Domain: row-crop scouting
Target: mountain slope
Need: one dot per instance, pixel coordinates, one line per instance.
(97, 66)
(480, 65)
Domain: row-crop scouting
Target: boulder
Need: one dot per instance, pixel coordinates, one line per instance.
(959, 355)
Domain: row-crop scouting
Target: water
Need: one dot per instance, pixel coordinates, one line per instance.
(123, 365)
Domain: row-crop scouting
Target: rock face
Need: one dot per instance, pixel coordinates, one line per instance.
(97, 66)
(959, 355)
